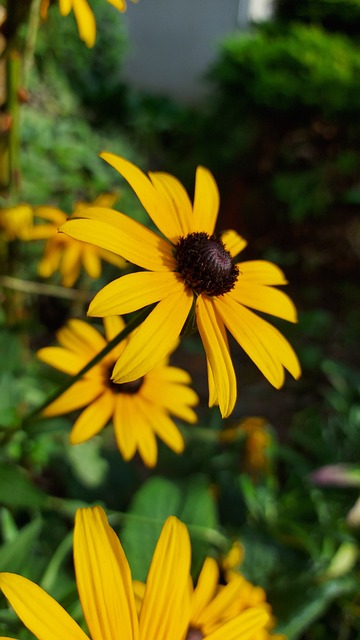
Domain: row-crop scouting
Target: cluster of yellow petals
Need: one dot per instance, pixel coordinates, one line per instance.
(106, 590)
(84, 15)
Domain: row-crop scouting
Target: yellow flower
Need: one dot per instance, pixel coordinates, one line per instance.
(139, 409)
(213, 604)
(66, 254)
(15, 222)
(192, 269)
(84, 16)
(106, 592)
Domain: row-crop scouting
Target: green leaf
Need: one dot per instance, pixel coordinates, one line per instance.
(14, 555)
(159, 498)
(16, 490)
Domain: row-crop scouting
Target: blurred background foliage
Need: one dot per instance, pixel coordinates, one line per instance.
(280, 130)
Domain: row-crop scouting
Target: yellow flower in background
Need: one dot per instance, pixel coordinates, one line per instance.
(257, 443)
(84, 15)
(15, 222)
(106, 591)
(64, 254)
(191, 270)
(213, 604)
(140, 410)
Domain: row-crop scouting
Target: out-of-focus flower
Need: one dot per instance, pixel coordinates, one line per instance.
(340, 475)
(84, 15)
(106, 592)
(192, 275)
(64, 254)
(140, 410)
(257, 443)
(15, 222)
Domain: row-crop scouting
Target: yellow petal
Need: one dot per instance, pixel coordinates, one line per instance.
(54, 215)
(134, 291)
(213, 336)
(127, 425)
(166, 429)
(85, 21)
(39, 612)
(264, 298)
(262, 342)
(91, 261)
(80, 394)
(103, 578)
(165, 610)
(70, 263)
(155, 201)
(205, 588)
(81, 337)
(178, 219)
(155, 337)
(113, 325)
(206, 201)
(242, 627)
(233, 242)
(62, 359)
(118, 4)
(65, 6)
(221, 605)
(262, 272)
(124, 237)
(94, 418)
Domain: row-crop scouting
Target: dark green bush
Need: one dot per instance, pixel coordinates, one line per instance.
(334, 15)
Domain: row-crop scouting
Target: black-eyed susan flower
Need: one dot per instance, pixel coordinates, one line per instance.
(140, 410)
(213, 604)
(84, 16)
(64, 254)
(106, 591)
(15, 222)
(188, 269)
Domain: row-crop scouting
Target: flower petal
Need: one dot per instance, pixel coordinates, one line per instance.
(261, 341)
(166, 429)
(127, 424)
(91, 261)
(165, 610)
(62, 359)
(81, 337)
(233, 242)
(262, 272)
(155, 337)
(134, 291)
(206, 201)
(264, 298)
(85, 21)
(113, 325)
(243, 627)
(124, 237)
(155, 201)
(77, 396)
(178, 219)
(215, 342)
(94, 418)
(205, 588)
(103, 578)
(39, 612)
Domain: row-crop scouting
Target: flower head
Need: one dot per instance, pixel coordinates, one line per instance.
(15, 222)
(84, 16)
(64, 253)
(106, 591)
(140, 410)
(191, 270)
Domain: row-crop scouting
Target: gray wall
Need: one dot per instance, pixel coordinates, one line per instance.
(172, 42)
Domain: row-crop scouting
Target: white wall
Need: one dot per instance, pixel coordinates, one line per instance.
(172, 43)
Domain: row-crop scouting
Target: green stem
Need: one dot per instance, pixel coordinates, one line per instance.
(133, 324)
(13, 64)
(30, 42)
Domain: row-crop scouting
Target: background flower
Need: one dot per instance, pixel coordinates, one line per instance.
(140, 410)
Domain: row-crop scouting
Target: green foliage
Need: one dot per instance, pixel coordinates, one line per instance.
(293, 71)
(334, 15)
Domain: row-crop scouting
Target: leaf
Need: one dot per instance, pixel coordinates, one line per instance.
(16, 490)
(15, 554)
(159, 498)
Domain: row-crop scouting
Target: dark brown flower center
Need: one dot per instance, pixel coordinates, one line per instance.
(205, 264)
(194, 634)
